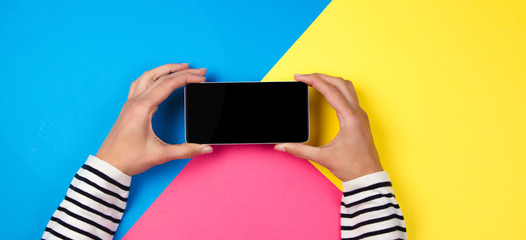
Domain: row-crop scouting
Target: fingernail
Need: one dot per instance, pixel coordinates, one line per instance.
(299, 75)
(207, 150)
(279, 148)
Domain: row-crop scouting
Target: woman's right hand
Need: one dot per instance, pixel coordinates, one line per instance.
(352, 153)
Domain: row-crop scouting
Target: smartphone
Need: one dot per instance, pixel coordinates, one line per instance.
(246, 112)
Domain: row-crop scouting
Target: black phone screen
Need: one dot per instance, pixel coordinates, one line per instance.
(246, 112)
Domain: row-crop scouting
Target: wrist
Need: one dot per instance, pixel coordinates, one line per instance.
(114, 162)
(353, 171)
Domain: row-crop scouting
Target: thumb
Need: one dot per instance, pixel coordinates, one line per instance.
(186, 150)
(300, 150)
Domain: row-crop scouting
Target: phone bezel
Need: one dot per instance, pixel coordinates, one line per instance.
(243, 143)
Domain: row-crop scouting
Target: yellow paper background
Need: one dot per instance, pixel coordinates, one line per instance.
(444, 84)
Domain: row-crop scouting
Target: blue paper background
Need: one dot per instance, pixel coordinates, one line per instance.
(65, 69)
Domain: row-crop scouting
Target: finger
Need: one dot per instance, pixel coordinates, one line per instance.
(132, 89)
(162, 90)
(332, 93)
(300, 150)
(199, 71)
(350, 85)
(167, 69)
(150, 76)
(186, 150)
(345, 87)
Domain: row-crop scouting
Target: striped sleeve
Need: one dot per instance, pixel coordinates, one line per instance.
(94, 203)
(369, 209)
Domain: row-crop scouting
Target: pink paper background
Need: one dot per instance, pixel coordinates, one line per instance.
(244, 192)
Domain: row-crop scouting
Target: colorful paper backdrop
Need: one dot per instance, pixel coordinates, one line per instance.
(66, 67)
(443, 84)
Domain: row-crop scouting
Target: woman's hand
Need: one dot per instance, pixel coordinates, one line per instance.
(351, 154)
(132, 146)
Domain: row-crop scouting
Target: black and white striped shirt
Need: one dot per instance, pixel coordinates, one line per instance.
(96, 199)
(94, 203)
(369, 209)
